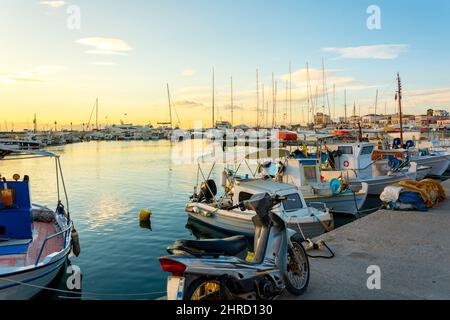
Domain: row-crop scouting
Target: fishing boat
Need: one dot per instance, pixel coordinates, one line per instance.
(307, 220)
(353, 162)
(35, 240)
(208, 208)
(305, 174)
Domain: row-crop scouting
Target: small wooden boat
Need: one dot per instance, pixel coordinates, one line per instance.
(35, 241)
(305, 219)
(353, 161)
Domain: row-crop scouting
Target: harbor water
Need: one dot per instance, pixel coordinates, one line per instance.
(108, 183)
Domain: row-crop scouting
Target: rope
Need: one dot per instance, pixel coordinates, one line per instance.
(82, 293)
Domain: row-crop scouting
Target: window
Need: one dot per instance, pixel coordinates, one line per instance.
(367, 150)
(244, 196)
(309, 172)
(345, 150)
(292, 203)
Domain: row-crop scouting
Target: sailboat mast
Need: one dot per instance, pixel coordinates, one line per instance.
(170, 105)
(345, 106)
(290, 93)
(273, 101)
(213, 96)
(232, 101)
(257, 98)
(376, 102)
(334, 101)
(96, 114)
(399, 97)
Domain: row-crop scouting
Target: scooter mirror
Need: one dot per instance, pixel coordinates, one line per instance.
(260, 203)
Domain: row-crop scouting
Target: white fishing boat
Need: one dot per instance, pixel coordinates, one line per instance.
(307, 220)
(35, 240)
(305, 174)
(353, 162)
(212, 210)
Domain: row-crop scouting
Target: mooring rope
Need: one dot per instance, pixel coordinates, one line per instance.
(83, 293)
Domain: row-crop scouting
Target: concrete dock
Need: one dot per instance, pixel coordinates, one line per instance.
(412, 250)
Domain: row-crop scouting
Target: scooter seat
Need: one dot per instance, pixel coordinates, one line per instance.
(214, 247)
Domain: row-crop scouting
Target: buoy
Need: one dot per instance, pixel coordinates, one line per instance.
(76, 249)
(144, 215)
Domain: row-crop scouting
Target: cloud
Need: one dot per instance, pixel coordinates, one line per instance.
(101, 63)
(188, 72)
(380, 51)
(54, 4)
(105, 46)
(432, 97)
(187, 104)
(32, 75)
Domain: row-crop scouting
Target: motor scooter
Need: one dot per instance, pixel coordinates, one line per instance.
(218, 269)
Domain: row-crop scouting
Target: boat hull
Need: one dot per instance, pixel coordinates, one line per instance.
(439, 164)
(377, 185)
(242, 224)
(341, 203)
(31, 281)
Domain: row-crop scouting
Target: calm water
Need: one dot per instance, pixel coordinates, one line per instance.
(108, 183)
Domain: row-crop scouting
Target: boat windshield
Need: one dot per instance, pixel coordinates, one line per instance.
(292, 203)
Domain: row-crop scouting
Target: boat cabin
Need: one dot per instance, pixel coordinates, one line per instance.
(244, 190)
(302, 172)
(16, 225)
(355, 158)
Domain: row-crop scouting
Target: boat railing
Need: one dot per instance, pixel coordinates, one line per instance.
(318, 205)
(66, 233)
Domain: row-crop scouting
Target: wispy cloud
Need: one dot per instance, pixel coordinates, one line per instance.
(106, 46)
(188, 72)
(54, 4)
(187, 104)
(32, 75)
(380, 51)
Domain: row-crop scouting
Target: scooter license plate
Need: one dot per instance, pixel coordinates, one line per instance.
(175, 288)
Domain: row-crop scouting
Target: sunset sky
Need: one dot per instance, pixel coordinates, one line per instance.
(126, 51)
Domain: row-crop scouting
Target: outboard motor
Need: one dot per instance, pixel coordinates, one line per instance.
(208, 191)
(409, 144)
(396, 144)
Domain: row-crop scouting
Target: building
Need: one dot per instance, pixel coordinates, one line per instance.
(354, 120)
(371, 119)
(321, 119)
(406, 119)
(441, 113)
(425, 119)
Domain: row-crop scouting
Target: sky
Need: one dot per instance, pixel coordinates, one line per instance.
(59, 56)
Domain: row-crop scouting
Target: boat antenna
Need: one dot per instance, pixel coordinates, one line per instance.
(376, 102)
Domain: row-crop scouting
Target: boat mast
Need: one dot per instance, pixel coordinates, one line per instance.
(376, 102)
(96, 114)
(399, 97)
(273, 101)
(170, 106)
(334, 101)
(35, 124)
(345, 105)
(231, 101)
(264, 114)
(290, 93)
(213, 93)
(257, 99)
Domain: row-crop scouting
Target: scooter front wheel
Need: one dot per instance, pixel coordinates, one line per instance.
(203, 289)
(297, 267)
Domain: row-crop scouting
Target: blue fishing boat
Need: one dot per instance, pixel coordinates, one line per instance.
(35, 240)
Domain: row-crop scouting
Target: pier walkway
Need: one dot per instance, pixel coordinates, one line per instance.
(412, 250)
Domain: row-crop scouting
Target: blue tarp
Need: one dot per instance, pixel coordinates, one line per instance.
(413, 198)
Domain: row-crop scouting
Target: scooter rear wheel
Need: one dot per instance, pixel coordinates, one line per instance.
(203, 289)
(297, 267)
